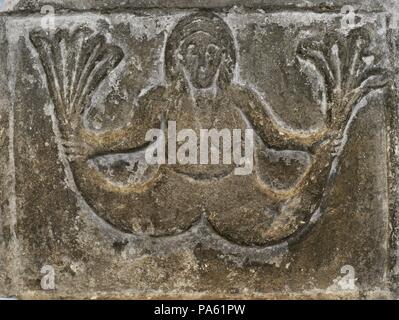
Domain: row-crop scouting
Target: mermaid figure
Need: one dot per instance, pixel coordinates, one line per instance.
(109, 166)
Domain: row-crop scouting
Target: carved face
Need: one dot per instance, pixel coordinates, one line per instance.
(201, 57)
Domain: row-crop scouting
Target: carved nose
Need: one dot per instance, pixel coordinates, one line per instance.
(202, 63)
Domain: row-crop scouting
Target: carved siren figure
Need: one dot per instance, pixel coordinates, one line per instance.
(273, 204)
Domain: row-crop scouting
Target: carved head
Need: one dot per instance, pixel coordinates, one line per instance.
(201, 49)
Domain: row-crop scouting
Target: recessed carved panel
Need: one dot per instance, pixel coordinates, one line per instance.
(293, 169)
(316, 97)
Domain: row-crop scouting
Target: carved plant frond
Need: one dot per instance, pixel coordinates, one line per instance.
(347, 67)
(75, 63)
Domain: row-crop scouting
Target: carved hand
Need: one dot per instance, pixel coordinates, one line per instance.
(75, 149)
(348, 71)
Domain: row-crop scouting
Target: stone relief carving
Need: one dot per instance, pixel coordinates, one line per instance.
(293, 170)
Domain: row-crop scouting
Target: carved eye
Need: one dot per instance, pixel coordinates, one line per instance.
(191, 50)
(212, 50)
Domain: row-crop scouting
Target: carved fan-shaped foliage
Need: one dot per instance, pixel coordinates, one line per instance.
(75, 63)
(348, 69)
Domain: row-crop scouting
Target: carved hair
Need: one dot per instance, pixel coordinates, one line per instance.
(211, 24)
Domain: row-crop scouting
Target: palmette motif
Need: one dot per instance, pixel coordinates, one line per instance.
(109, 166)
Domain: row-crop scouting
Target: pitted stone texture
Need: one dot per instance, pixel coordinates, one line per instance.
(320, 5)
(5, 225)
(80, 198)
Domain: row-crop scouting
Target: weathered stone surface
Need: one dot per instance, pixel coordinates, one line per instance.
(77, 99)
(104, 5)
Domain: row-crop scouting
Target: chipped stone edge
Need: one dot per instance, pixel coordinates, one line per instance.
(28, 7)
(393, 267)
